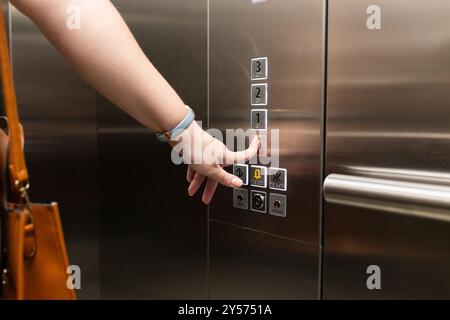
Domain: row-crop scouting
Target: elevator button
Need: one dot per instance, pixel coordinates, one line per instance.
(241, 171)
(258, 201)
(259, 119)
(259, 68)
(277, 204)
(258, 176)
(240, 198)
(277, 179)
(259, 94)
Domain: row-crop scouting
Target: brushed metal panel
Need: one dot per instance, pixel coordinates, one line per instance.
(248, 264)
(290, 34)
(153, 234)
(58, 112)
(388, 118)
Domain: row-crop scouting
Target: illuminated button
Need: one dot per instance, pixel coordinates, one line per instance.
(241, 171)
(259, 119)
(258, 201)
(259, 94)
(240, 198)
(258, 176)
(259, 68)
(277, 204)
(277, 179)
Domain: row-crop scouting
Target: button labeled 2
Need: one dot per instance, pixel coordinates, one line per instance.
(259, 119)
(259, 94)
(259, 68)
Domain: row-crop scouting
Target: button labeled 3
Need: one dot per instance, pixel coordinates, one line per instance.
(240, 198)
(259, 68)
(259, 119)
(258, 176)
(278, 179)
(241, 171)
(259, 94)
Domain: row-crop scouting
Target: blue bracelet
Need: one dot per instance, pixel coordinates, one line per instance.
(183, 125)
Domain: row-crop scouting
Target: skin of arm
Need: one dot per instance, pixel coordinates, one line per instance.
(106, 55)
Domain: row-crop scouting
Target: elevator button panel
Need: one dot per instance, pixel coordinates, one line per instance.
(241, 171)
(258, 201)
(240, 198)
(259, 119)
(259, 68)
(258, 176)
(277, 179)
(277, 204)
(259, 94)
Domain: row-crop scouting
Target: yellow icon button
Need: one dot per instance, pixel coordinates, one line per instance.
(257, 174)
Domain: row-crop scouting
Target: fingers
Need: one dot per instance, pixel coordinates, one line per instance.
(242, 156)
(225, 178)
(195, 184)
(209, 191)
(190, 174)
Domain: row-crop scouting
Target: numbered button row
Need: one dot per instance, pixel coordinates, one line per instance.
(260, 176)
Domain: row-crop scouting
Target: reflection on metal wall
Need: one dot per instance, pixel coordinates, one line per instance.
(388, 98)
(153, 234)
(255, 242)
(58, 112)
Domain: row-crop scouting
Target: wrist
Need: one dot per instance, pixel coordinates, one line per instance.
(179, 128)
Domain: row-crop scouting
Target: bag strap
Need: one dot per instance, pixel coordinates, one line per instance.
(17, 165)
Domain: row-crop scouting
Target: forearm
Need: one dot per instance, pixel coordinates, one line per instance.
(106, 55)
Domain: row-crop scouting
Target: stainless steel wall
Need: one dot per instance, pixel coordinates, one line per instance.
(153, 235)
(59, 115)
(257, 255)
(388, 118)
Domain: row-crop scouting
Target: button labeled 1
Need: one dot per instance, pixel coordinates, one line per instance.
(259, 68)
(278, 179)
(259, 119)
(241, 171)
(259, 94)
(258, 176)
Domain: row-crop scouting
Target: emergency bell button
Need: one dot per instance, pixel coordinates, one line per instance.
(259, 94)
(258, 176)
(259, 68)
(241, 171)
(277, 179)
(258, 119)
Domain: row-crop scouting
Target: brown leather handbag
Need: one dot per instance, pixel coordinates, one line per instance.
(34, 258)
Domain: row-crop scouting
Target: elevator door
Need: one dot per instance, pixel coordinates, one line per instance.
(387, 233)
(266, 74)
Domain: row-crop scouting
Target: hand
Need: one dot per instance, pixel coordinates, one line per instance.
(214, 155)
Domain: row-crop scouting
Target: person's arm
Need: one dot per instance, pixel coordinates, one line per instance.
(106, 55)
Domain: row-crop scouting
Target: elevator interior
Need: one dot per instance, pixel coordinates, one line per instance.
(358, 90)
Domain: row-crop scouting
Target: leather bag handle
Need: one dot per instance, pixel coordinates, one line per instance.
(17, 165)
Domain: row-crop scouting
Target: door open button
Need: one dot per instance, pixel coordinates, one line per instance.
(241, 171)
